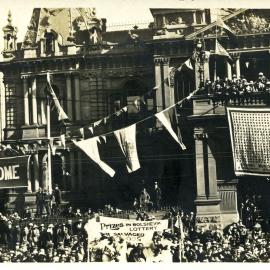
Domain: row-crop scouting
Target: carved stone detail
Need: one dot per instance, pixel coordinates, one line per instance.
(162, 60)
(200, 134)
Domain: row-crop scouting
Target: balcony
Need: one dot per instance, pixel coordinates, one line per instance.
(215, 104)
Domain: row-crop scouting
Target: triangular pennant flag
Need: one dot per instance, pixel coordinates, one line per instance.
(126, 138)
(97, 123)
(219, 50)
(82, 131)
(63, 140)
(103, 137)
(222, 24)
(165, 119)
(91, 129)
(61, 114)
(52, 147)
(186, 64)
(90, 148)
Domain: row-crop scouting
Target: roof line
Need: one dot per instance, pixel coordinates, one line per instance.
(225, 18)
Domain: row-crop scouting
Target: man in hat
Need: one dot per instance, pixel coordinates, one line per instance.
(39, 202)
(157, 196)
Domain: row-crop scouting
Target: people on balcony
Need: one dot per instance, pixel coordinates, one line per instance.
(238, 91)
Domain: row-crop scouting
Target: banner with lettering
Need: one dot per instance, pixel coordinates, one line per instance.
(133, 231)
(250, 133)
(14, 171)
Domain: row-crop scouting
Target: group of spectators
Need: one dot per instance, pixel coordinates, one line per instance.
(48, 203)
(238, 90)
(24, 238)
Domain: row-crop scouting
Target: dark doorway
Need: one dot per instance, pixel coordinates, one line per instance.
(57, 171)
(253, 63)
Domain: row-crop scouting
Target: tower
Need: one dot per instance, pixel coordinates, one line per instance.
(10, 37)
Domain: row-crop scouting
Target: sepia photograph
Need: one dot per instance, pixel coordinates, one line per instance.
(134, 131)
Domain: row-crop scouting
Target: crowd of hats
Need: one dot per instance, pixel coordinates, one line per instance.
(28, 241)
(238, 90)
(234, 244)
(67, 242)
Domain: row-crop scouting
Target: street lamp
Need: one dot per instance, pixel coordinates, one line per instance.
(200, 59)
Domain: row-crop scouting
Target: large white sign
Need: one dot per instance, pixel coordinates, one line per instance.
(131, 230)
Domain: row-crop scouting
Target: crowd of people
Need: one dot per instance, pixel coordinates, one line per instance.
(238, 90)
(23, 239)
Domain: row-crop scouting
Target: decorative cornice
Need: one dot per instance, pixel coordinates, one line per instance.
(162, 60)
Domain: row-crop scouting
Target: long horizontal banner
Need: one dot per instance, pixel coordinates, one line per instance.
(250, 139)
(14, 171)
(132, 231)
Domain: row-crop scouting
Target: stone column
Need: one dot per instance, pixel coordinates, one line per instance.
(44, 173)
(72, 170)
(200, 168)
(36, 171)
(34, 100)
(77, 97)
(203, 17)
(212, 173)
(65, 185)
(237, 66)
(194, 18)
(229, 70)
(167, 90)
(158, 83)
(69, 97)
(207, 203)
(25, 99)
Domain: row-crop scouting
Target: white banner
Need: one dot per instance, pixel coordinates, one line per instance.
(131, 230)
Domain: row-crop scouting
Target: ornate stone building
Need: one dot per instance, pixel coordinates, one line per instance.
(96, 71)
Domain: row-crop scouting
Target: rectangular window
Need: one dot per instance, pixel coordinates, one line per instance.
(10, 106)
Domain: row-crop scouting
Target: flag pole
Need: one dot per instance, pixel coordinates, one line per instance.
(180, 238)
(49, 164)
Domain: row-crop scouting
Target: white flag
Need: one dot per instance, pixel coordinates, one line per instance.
(165, 119)
(61, 114)
(52, 147)
(219, 50)
(63, 140)
(126, 138)
(90, 148)
(91, 130)
(187, 64)
(97, 123)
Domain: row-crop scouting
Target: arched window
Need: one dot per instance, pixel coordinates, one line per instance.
(49, 46)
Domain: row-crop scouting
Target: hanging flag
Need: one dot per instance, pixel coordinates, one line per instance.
(63, 140)
(219, 50)
(165, 118)
(186, 64)
(97, 123)
(126, 138)
(82, 131)
(61, 114)
(90, 148)
(227, 29)
(91, 129)
(52, 147)
(104, 138)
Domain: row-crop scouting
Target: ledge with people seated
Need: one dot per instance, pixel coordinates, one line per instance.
(213, 97)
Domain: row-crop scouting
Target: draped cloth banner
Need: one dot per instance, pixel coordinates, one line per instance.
(132, 231)
(250, 133)
(61, 113)
(165, 118)
(126, 138)
(90, 148)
